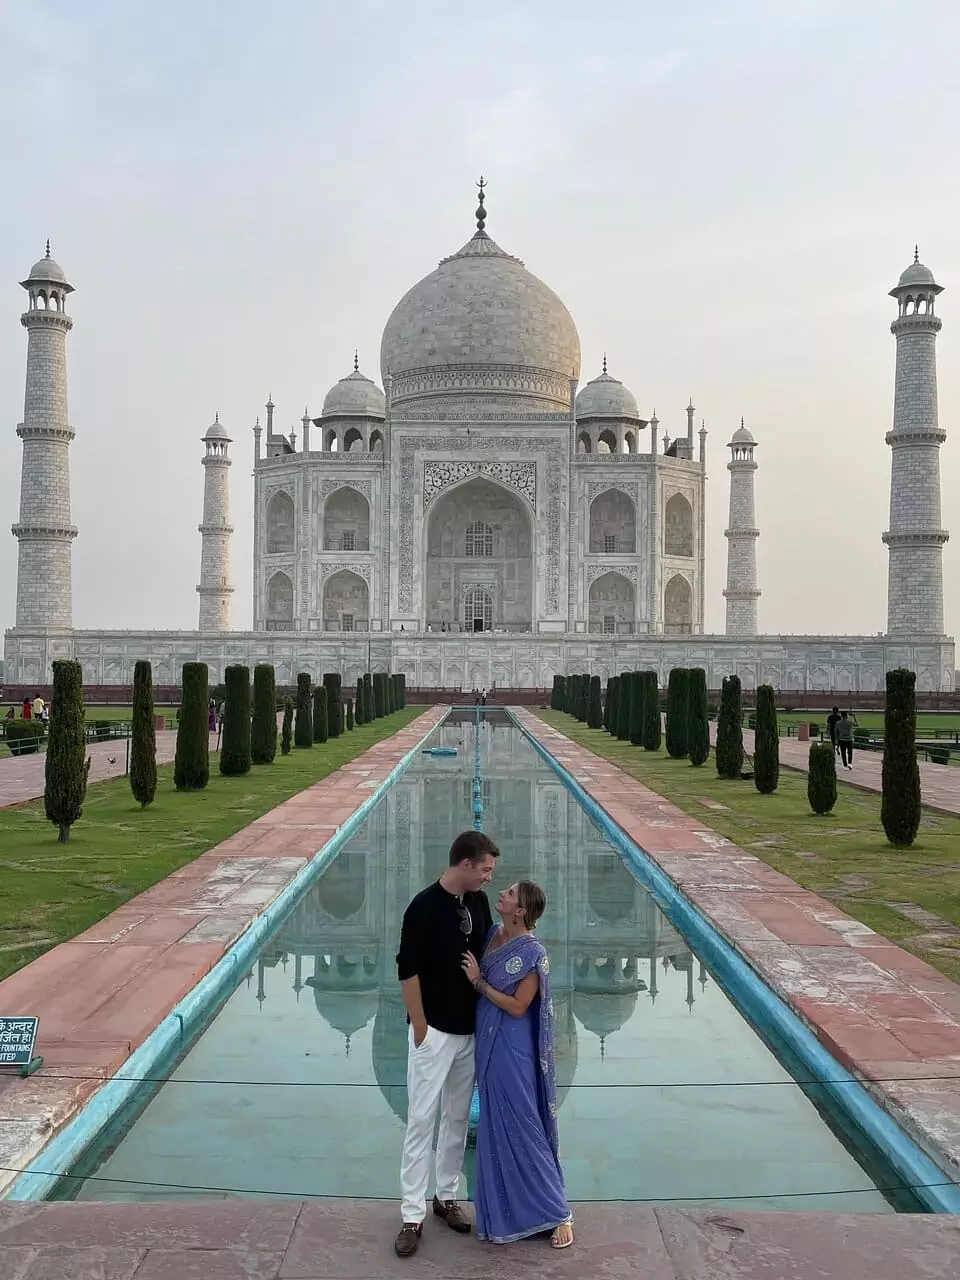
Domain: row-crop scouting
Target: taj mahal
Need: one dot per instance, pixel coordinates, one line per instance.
(482, 517)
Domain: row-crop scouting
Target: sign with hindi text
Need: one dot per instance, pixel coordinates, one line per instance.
(17, 1038)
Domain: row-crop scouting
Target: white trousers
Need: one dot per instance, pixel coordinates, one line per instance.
(440, 1070)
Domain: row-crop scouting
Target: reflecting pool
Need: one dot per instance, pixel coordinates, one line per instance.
(297, 1087)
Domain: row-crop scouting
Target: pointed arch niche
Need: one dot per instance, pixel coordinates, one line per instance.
(279, 603)
(281, 524)
(479, 538)
(612, 605)
(678, 606)
(613, 524)
(346, 602)
(346, 521)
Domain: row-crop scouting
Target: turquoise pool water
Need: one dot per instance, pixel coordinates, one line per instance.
(297, 1086)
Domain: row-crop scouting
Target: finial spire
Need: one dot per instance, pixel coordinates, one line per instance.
(916, 251)
(47, 254)
(604, 362)
(481, 212)
(742, 423)
(356, 361)
(216, 417)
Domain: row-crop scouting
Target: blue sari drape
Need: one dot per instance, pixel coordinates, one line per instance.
(519, 1183)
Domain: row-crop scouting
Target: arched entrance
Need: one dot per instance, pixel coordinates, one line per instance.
(479, 572)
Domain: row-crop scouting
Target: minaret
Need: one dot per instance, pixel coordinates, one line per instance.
(741, 592)
(915, 537)
(215, 589)
(44, 531)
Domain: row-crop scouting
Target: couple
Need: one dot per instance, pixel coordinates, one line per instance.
(478, 1003)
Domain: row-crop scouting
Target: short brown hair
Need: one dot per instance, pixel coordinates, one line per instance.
(472, 846)
(533, 901)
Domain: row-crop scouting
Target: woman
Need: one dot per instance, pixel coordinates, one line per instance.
(519, 1183)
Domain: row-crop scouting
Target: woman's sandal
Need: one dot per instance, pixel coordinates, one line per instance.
(565, 1230)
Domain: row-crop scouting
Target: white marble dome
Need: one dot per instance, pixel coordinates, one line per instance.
(48, 271)
(606, 398)
(354, 396)
(481, 327)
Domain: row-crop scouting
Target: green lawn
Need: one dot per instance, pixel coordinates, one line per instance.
(50, 892)
(852, 863)
(927, 721)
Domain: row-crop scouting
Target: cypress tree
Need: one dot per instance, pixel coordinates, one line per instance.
(613, 709)
(571, 707)
(403, 691)
(263, 735)
(379, 701)
(900, 775)
(651, 711)
(321, 727)
(677, 713)
(766, 742)
(623, 706)
(579, 708)
(730, 729)
(191, 766)
(66, 767)
(606, 703)
(585, 695)
(143, 737)
(698, 723)
(358, 717)
(368, 708)
(594, 710)
(303, 720)
(333, 686)
(235, 744)
(555, 694)
(286, 733)
(349, 714)
(822, 777)
(636, 708)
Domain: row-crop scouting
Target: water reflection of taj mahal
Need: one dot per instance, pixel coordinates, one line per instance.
(605, 935)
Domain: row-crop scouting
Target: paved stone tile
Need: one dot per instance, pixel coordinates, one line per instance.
(209, 1264)
(799, 1246)
(264, 1226)
(353, 1240)
(100, 1262)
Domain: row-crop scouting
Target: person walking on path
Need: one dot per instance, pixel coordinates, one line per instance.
(519, 1181)
(833, 719)
(441, 924)
(845, 739)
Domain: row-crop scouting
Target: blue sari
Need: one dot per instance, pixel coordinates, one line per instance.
(519, 1183)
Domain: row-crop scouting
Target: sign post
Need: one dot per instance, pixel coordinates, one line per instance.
(17, 1039)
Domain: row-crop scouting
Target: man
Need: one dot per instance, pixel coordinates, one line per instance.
(845, 739)
(833, 719)
(440, 924)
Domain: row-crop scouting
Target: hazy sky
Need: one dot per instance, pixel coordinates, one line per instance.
(722, 192)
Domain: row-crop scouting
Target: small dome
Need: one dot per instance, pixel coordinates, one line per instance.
(354, 396)
(217, 431)
(606, 397)
(742, 435)
(916, 273)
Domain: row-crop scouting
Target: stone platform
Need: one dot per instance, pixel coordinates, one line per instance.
(353, 1240)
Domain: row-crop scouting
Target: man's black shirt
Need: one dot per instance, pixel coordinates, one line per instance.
(432, 943)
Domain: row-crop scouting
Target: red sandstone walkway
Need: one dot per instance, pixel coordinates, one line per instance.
(939, 783)
(884, 1014)
(352, 1240)
(21, 777)
(99, 996)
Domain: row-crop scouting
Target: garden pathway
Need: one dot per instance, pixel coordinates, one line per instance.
(353, 1240)
(100, 995)
(21, 777)
(883, 1013)
(939, 783)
